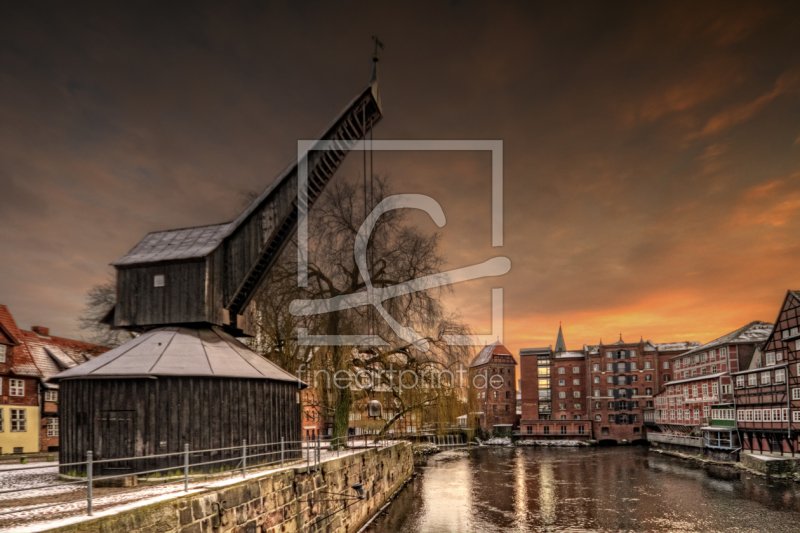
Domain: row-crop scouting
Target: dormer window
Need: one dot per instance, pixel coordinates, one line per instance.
(158, 280)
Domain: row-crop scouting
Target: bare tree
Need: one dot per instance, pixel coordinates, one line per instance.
(99, 301)
(398, 251)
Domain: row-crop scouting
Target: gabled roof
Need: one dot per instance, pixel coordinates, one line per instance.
(180, 351)
(53, 354)
(755, 332)
(23, 364)
(486, 354)
(674, 346)
(174, 244)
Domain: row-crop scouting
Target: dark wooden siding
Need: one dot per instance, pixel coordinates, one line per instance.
(166, 413)
(180, 301)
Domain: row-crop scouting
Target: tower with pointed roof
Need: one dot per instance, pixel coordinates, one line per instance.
(561, 346)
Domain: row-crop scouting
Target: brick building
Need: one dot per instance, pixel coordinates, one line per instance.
(493, 396)
(767, 392)
(625, 377)
(702, 381)
(28, 404)
(599, 392)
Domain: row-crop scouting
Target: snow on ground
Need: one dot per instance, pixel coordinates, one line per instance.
(495, 441)
(105, 501)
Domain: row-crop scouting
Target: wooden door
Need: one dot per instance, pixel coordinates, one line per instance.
(116, 440)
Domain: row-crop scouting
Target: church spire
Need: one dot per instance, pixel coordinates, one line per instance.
(561, 346)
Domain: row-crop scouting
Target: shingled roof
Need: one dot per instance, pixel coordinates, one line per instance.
(755, 332)
(53, 355)
(485, 355)
(185, 243)
(181, 351)
(22, 362)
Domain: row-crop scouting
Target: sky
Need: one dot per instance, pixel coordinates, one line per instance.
(651, 152)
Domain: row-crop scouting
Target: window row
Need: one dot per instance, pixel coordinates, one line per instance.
(766, 378)
(575, 370)
(698, 358)
(763, 415)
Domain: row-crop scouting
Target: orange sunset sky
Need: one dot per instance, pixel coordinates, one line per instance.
(651, 152)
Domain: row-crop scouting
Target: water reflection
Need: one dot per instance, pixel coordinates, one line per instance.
(579, 489)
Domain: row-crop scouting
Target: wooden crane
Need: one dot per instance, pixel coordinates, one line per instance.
(208, 275)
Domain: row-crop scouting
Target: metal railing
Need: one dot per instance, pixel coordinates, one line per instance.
(279, 454)
(309, 450)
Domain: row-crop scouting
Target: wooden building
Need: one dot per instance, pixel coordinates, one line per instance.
(174, 386)
(186, 379)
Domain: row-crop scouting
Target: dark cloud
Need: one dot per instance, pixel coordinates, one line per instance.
(651, 151)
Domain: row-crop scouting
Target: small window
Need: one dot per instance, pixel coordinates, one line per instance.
(739, 382)
(576, 394)
(51, 396)
(604, 431)
(562, 394)
(647, 365)
(576, 370)
(562, 382)
(598, 418)
(765, 378)
(576, 381)
(2, 353)
(609, 379)
(596, 367)
(648, 377)
(796, 394)
(795, 416)
(780, 375)
(52, 427)
(610, 367)
(561, 370)
(596, 379)
(666, 365)
(158, 280)
(752, 380)
(16, 387)
(19, 420)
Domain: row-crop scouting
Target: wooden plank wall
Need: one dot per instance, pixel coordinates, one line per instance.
(170, 412)
(180, 301)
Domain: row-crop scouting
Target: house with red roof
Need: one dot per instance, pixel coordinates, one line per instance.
(493, 395)
(28, 403)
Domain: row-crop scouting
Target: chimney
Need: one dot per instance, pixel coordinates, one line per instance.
(41, 331)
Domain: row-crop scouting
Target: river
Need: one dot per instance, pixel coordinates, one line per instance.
(525, 489)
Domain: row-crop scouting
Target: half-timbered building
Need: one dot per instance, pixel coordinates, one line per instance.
(703, 381)
(767, 394)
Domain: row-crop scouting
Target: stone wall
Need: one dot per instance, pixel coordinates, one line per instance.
(771, 466)
(287, 501)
